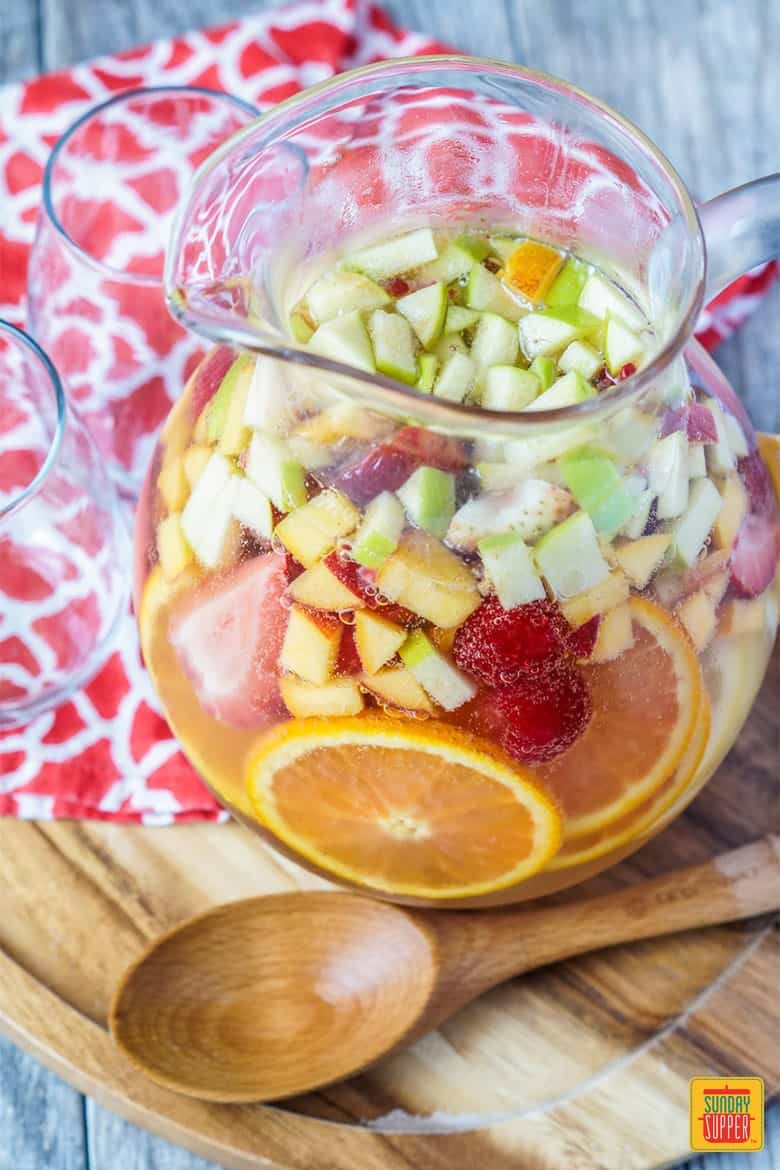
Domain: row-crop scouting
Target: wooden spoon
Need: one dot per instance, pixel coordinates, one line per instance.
(269, 997)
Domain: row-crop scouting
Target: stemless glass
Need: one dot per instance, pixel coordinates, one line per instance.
(95, 278)
(479, 147)
(63, 546)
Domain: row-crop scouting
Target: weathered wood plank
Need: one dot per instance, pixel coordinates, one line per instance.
(41, 1118)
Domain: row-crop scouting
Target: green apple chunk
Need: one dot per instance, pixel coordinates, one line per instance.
(394, 346)
(459, 319)
(429, 368)
(569, 557)
(447, 345)
(271, 467)
(565, 391)
(455, 262)
(379, 532)
(508, 563)
(342, 292)
(690, 533)
(485, 292)
(545, 370)
(438, 677)
(621, 346)
(207, 520)
(503, 246)
(581, 358)
(525, 454)
(601, 298)
(637, 522)
(401, 254)
(300, 328)
(495, 341)
(456, 378)
(509, 388)
(425, 310)
(344, 339)
(667, 473)
(568, 284)
(225, 412)
(549, 331)
(598, 488)
(252, 509)
(429, 499)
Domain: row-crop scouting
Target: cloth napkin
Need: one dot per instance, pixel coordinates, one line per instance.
(108, 753)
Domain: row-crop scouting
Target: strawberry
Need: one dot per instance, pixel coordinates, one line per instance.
(582, 641)
(544, 715)
(228, 638)
(207, 379)
(758, 482)
(755, 555)
(498, 645)
(361, 582)
(348, 660)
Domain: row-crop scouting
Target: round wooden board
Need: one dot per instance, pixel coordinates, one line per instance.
(582, 1065)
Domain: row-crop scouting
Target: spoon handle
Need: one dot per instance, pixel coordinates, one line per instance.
(484, 949)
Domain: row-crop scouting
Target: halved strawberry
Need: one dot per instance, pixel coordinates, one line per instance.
(755, 555)
(207, 378)
(544, 715)
(498, 645)
(228, 638)
(757, 480)
(361, 582)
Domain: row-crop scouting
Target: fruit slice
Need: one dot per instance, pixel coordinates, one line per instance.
(530, 509)
(734, 508)
(621, 347)
(194, 460)
(428, 365)
(598, 487)
(379, 531)
(394, 347)
(509, 388)
(456, 378)
(667, 473)
(173, 548)
(396, 687)
(690, 533)
(429, 580)
(699, 616)
(311, 645)
(456, 260)
(485, 292)
(271, 467)
(361, 583)
(345, 340)
(754, 559)
(720, 457)
(601, 298)
(545, 369)
(207, 520)
(173, 485)
(609, 593)
(615, 634)
(495, 342)
(645, 708)
(413, 810)
(531, 268)
(269, 403)
(429, 499)
(338, 696)
(570, 558)
(459, 319)
(582, 358)
(228, 637)
(389, 464)
(639, 559)
(342, 292)
(208, 377)
(439, 678)
(311, 531)
(551, 330)
(344, 420)
(225, 420)
(425, 310)
(763, 466)
(510, 569)
(564, 391)
(381, 261)
(377, 640)
(252, 509)
(319, 588)
(568, 285)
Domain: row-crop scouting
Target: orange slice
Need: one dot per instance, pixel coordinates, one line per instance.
(627, 828)
(420, 810)
(645, 707)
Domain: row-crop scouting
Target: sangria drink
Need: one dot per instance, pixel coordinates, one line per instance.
(437, 663)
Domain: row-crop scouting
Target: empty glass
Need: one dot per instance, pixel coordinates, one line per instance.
(95, 278)
(63, 547)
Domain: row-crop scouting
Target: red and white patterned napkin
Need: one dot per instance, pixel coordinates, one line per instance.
(108, 753)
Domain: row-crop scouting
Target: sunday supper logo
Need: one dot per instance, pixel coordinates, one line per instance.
(727, 1115)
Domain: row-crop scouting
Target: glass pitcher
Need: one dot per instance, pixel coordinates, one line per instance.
(476, 710)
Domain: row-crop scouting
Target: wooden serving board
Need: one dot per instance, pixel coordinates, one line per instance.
(581, 1066)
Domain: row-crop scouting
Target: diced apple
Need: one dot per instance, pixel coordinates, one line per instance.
(459, 319)
(377, 640)
(272, 469)
(311, 645)
(310, 454)
(439, 678)
(449, 344)
(639, 559)
(379, 531)
(456, 260)
(195, 459)
(510, 568)
(744, 617)
(503, 246)
(529, 508)
(582, 359)
(173, 548)
(632, 432)
(720, 457)
(173, 485)
(428, 496)
(568, 284)
(715, 586)
(495, 341)
(569, 557)
(225, 421)
(667, 472)
(425, 310)
(526, 454)
(428, 579)
(531, 269)
(509, 388)
(698, 615)
(551, 330)
(402, 254)
(207, 520)
(311, 531)
(342, 292)
(671, 585)
(621, 346)
(697, 462)
(564, 391)
(252, 509)
(428, 365)
(270, 406)
(637, 522)
(396, 686)
(598, 488)
(456, 378)
(344, 420)
(485, 292)
(609, 593)
(615, 634)
(690, 533)
(345, 340)
(394, 346)
(338, 696)
(545, 369)
(601, 298)
(318, 588)
(736, 437)
(301, 327)
(733, 511)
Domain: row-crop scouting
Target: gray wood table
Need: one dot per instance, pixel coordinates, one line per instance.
(702, 77)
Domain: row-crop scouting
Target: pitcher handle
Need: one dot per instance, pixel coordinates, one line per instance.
(742, 230)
